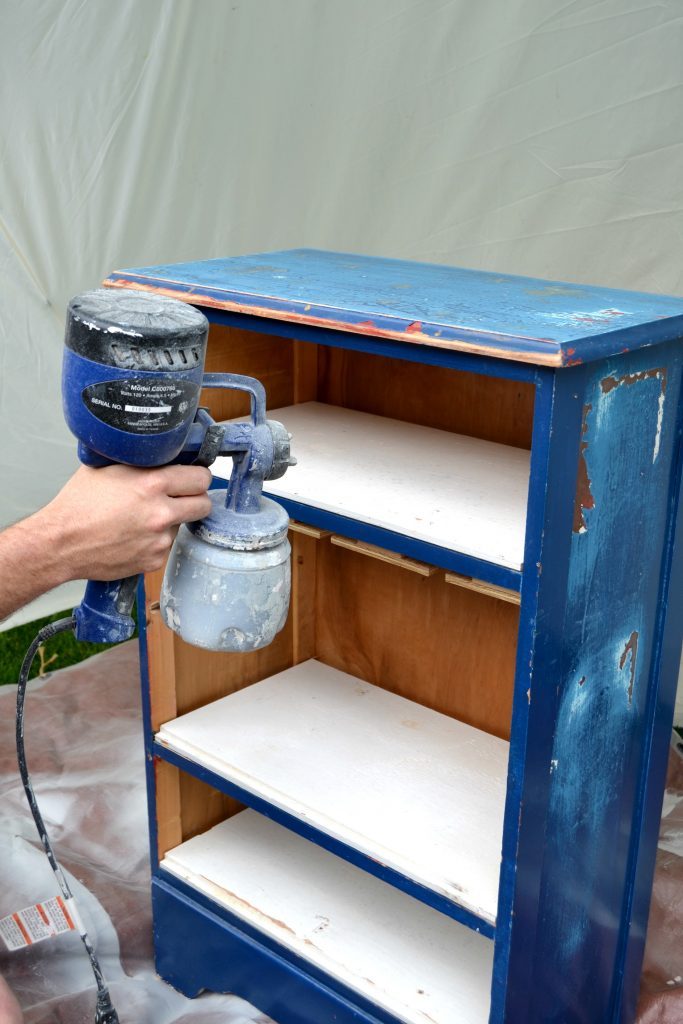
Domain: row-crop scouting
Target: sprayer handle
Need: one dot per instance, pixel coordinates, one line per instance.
(238, 382)
(89, 457)
(104, 614)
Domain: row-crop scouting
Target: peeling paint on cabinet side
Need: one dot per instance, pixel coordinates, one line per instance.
(592, 661)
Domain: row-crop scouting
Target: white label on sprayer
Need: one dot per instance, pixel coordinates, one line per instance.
(33, 924)
(149, 408)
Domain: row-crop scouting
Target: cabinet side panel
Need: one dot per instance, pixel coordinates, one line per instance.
(160, 655)
(450, 649)
(168, 812)
(202, 806)
(635, 922)
(492, 408)
(599, 676)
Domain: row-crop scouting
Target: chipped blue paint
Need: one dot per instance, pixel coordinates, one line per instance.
(498, 314)
(557, 429)
(657, 731)
(596, 682)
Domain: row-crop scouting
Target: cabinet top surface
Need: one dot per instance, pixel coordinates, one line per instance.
(500, 315)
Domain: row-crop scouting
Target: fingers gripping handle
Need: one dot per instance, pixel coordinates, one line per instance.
(104, 614)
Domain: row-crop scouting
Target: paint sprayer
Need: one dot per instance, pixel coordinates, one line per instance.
(132, 374)
(133, 369)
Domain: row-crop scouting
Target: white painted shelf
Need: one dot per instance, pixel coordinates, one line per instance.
(457, 492)
(412, 788)
(410, 959)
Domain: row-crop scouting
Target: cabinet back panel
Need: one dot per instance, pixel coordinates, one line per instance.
(492, 408)
(268, 358)
(204, 676)
(450, 649)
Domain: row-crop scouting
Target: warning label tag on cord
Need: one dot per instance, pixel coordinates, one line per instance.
(33, 924)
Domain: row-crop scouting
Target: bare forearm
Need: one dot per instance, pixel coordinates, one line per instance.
(31, 562)
(105, 524)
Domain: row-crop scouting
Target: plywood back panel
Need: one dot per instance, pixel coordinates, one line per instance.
(168, 814)
(491, 408)
(202, 676)
(450, 649)
(183, 678)
(264, 356)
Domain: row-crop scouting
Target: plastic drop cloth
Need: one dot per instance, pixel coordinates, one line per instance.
(85, 754)
(84, 745)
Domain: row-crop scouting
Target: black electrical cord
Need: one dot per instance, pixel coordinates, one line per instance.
(104, 1012)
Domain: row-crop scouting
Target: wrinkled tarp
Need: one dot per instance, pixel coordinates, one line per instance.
(84, 744)
(85, 755)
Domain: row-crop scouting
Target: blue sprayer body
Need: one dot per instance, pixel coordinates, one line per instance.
(133, 369)
(96, 435)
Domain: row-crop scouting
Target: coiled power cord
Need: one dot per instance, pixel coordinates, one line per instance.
(104, 1012)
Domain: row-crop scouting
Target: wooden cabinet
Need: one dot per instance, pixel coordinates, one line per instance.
(434, 798)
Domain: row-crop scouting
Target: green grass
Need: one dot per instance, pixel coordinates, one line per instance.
(60, 651)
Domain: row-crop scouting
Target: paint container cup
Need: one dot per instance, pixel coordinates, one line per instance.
(228, 578)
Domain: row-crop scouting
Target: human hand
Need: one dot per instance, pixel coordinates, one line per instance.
(117, 521)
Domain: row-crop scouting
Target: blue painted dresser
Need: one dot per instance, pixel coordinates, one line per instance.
(436, 797)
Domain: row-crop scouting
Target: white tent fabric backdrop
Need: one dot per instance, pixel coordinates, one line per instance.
(532, 137)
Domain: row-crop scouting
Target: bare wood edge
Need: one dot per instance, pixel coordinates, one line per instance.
(382, 555)
(488, 589)
(168, 807)
(161, 660)
(308, 531)
(552, 358)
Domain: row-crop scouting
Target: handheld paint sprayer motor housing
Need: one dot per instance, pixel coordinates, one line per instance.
(133, 371)
(132, 374)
